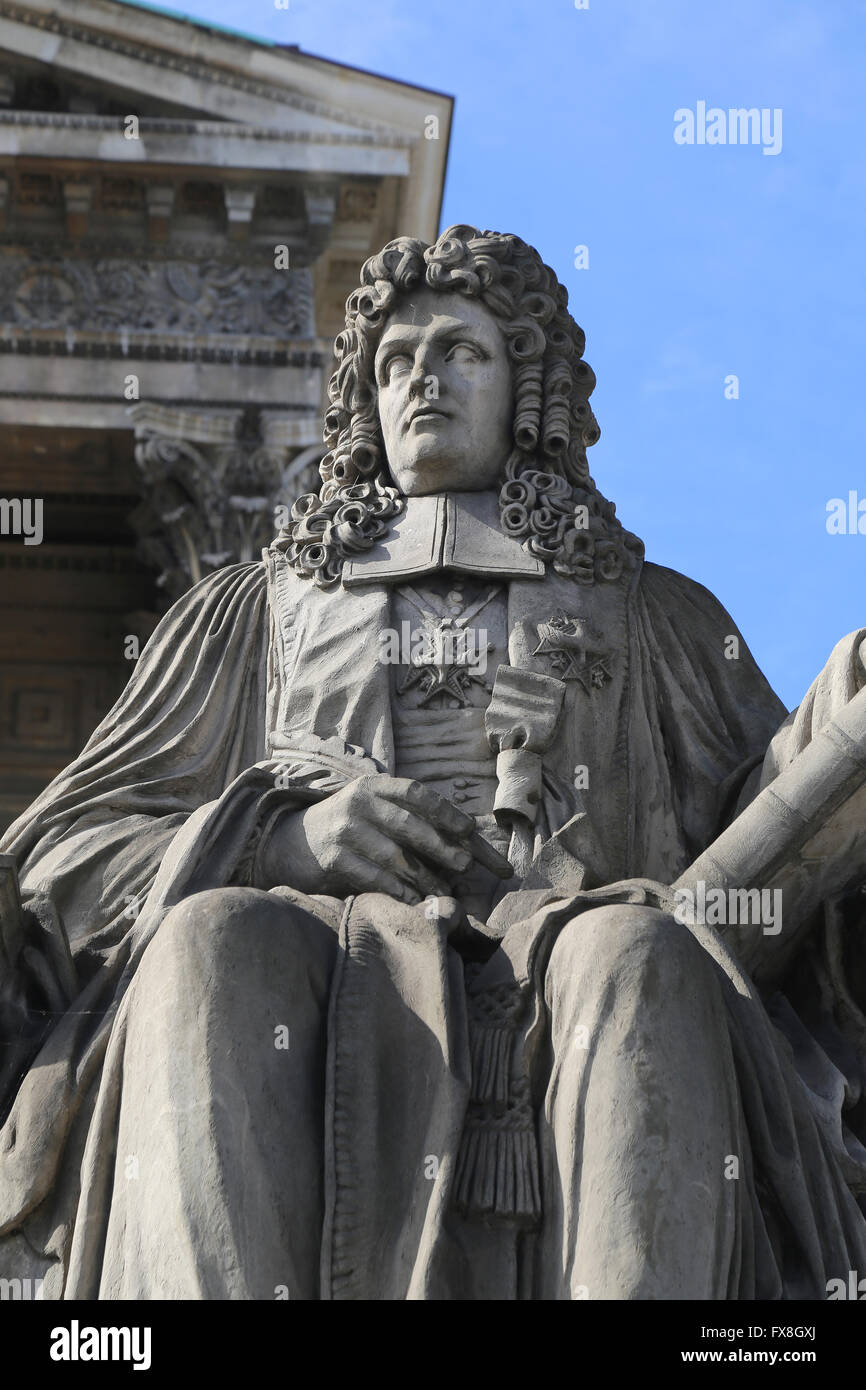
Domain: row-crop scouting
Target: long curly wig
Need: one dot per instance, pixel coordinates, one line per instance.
(548, 499)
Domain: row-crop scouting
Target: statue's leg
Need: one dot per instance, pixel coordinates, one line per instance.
(218, 1183)
(641, 1117)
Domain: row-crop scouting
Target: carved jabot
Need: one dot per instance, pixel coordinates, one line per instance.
(449, 530)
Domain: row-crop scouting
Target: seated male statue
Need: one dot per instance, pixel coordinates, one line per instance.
(349, 963)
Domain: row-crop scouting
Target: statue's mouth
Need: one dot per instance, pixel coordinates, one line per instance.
(426, 414)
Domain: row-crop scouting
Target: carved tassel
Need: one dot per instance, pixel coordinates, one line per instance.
(491, 1063)
(497, 1162)
(497, 1175)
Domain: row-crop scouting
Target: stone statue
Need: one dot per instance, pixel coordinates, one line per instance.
(366, 950)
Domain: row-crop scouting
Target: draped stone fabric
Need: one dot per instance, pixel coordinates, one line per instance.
(259, 690)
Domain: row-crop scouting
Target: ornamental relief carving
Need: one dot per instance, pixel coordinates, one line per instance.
(176, 296)
(211, 500)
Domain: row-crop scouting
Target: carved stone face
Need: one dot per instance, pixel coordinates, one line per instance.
(446, 395)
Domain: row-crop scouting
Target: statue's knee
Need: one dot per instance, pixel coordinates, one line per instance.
(625, 942)
(202, 920)
(223, 931)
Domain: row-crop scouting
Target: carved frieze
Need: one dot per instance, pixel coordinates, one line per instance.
(176, 296)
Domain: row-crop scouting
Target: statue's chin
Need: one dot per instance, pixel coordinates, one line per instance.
(424, 478)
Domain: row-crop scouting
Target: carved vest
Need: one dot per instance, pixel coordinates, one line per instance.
(335, 676)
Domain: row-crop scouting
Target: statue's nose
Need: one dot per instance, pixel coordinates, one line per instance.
(418, 378)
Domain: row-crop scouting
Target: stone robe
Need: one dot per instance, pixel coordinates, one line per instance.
(260, 690)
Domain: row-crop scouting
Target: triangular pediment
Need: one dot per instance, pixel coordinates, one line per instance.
(105, 58)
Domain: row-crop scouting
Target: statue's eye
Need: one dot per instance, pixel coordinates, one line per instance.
(464, 352)
(396, 365)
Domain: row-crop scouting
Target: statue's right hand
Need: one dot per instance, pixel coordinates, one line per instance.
(378, 834)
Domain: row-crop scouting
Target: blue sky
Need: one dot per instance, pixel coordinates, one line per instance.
(704, 260)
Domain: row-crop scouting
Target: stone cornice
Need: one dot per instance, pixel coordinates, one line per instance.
(302, 413)
(41, 244)
(157, 125)
(202, 72)
(161, 348)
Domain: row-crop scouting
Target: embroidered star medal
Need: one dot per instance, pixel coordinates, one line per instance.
(572, 648)
(445, 658)
(444, 661)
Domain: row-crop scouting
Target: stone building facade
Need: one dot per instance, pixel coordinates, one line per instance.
(183, 212)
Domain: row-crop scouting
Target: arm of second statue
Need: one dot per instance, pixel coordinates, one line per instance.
(803, 837)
